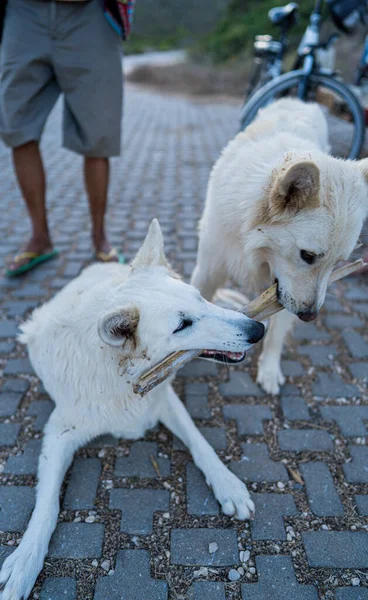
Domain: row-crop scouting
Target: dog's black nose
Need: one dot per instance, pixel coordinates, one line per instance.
(256, 332)
(307, 316)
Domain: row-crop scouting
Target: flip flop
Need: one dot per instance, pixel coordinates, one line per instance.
(35, 259)
(107, 256)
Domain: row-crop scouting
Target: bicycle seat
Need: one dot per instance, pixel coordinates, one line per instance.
(283, 15)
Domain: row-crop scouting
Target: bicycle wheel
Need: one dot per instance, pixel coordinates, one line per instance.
(341, 107)
(259, 76)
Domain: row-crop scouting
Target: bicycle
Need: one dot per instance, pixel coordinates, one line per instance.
(308, 80)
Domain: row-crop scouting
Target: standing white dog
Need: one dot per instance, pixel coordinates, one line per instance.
(279, 208)
(89, 345)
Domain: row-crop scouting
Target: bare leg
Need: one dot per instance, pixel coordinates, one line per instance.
(230, 492)
(96, 174)
(20, 570)
(269, 375)
(30, 174)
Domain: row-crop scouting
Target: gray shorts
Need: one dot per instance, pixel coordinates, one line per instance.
(51, 48)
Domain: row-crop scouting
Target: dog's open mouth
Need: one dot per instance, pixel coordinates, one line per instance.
(223, 357)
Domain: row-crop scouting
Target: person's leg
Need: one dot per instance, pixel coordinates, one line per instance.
(30, 174)
(96, 175)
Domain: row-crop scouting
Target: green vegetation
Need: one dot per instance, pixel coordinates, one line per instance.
(244, 19)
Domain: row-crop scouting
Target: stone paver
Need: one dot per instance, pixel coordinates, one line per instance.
(59, 588)
(191, 547)
(249, 419)
(322, 495)
(277, 581)
(256, 465)
(170, 146)
(138, 507)
(77, 540)
(270, 510)
(336, 549)
(131, 579)
(299, 440)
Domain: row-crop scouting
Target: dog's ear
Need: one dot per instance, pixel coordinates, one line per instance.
(294, 189)
(120, 326)
(151, 253)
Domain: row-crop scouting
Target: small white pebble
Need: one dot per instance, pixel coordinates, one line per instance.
(111, 572)
(241, 571)
(202, 572)
(166, 515)
(244, 556)
(135, 540)
(355, 581)
(105, 565)
(11, 543)
(280, 485)
(101, 454)
(289, 537)
(234, 575)
(167, 553)
(77, 520)
(212, 547)
(90, 519)
(325, 527)
(353, 527)
(95, 563)
(252, 570)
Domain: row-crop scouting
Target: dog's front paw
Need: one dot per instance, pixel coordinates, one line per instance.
(19, 573)
(270, 376)
(233, 496)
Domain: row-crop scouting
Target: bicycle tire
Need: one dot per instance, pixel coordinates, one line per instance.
(290, 80)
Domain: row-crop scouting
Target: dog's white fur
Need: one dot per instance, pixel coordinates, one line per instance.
(89, 345)
(274, 192)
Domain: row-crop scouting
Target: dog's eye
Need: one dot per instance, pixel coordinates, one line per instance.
(308, 257)
(184, 324)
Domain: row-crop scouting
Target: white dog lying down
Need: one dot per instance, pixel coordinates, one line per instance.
(89, 345)
(279, 208)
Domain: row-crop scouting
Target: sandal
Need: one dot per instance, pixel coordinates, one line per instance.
(107, 257)
(35, 259)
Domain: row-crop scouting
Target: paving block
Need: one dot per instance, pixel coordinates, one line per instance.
(8, 329)
(138, 507)
(7, 347)
(59, 588)
(351, 593)
(331, 384)
(270, 510)
(356, 471)
(196, 400)
(139, 462)
(82, 486)
(292, 368)
(131, 580)
(5, 551)
(319, 355)
(356, 292)
(215, 436)
(336, 549)
(200, 498)
(191, 547)
(350, 419)
(356, 344)
(199, 368)
(256, 465)
(249, 419)
(309, 332)
(27, 461)
(277, 581)
(302, 440)
(15, 385)
(359, 370)
(322, 494)
(19, 308)
(206, 590)
(32, 290)
(16, 506)
(362, 505)
(240, 384)
(342, 321)
(18, 365)
(41, 409)
(9, 402)
(295, 408)
(77, 540)
(359, 307)
(9, 433)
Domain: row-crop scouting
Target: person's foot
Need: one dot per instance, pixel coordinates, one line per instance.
(38, 246)
(104, 251)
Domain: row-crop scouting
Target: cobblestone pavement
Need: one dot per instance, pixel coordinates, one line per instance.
(137, 521)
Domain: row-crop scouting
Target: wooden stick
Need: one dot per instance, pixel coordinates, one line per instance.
(263, 307)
